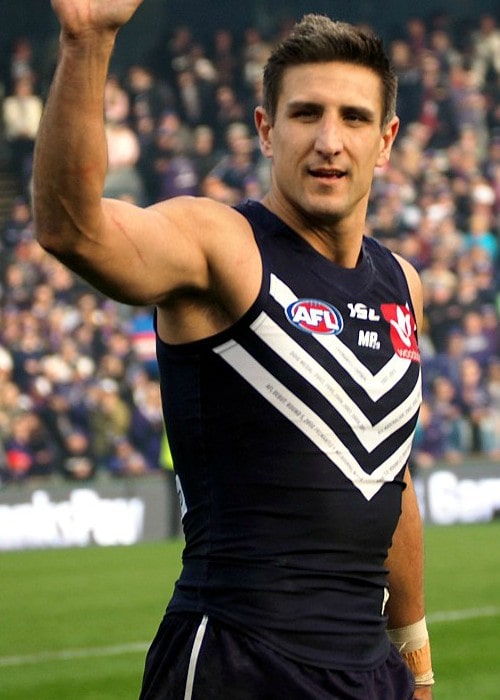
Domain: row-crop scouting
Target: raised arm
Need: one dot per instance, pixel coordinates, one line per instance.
(135, 255)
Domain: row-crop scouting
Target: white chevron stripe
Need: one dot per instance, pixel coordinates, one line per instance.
(370, 436)
(312, 425)
(375, 385)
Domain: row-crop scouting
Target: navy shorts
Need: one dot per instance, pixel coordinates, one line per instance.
(193, 658)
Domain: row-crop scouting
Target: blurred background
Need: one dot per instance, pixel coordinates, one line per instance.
(85, 467)
(79, 399)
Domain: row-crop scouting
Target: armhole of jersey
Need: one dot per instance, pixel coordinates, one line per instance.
(402, 275)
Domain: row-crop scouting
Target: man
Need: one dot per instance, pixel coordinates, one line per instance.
(289, 369)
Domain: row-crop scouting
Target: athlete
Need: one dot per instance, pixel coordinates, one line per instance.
(290, 374)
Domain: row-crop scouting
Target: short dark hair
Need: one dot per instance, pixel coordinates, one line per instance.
(319, 39)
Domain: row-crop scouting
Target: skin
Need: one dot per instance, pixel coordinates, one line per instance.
(188, 256)
(331, 113)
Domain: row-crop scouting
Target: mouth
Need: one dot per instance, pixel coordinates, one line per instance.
(327, 173)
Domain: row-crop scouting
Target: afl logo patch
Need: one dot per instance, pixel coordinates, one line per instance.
(314, 316)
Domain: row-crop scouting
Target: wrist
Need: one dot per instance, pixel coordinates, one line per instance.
(99, 41)
(413, 644)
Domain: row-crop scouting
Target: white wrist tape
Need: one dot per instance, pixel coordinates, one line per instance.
(413, 644)
(409, 638)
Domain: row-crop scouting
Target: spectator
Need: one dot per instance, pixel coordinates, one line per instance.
(416, 35)
(30, 450)
(410, 88)
(493, 389)
(22, 111)
(149, 97)
(125, 460)
(203, 155)
(486, 50)
(12, 404)
(179, 49)
(28, 354)
(437, 112)
(77, 461)
(18, 227)
(441, 310)
(442, 49)
(229, 109)
(109, 422)
(429, 438)
(195, 97)
(21, 60)
(254, 54)
(236, 172)
(224, 58)
(477, 343)
(446, 409)
(146, 427)
(480, 235)
(140, 330)
(123, 179)
(476, 407)
(173, 170)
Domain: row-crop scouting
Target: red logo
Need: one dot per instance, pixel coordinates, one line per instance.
(403, 329)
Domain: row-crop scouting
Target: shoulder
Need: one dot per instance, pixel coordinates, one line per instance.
(221, 233)
(204, 221)
(415, 287)
(190, 210)
(229, 268)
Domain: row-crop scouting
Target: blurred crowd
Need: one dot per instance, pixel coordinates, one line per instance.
(79, 387)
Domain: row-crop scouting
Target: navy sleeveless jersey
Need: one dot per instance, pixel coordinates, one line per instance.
(290, 433)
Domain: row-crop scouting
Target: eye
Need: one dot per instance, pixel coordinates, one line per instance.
(305, 113)
(355, 116)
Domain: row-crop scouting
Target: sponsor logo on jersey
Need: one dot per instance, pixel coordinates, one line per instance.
(403, 329)
(314, 316)
(368, 339)
(362, 312)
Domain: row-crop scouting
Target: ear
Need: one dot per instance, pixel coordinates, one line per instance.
(264, 129)
(387, 139)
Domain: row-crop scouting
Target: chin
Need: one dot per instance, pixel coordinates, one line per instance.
(323, 210)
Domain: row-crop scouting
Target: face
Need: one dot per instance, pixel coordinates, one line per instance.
(326, 141)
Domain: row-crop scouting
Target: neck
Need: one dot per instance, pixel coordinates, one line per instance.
(338, 240)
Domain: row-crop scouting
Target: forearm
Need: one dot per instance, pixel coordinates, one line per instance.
(71, 153)
(406, 606)
(406, 564)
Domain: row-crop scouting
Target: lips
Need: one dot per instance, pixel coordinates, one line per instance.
(329, 173)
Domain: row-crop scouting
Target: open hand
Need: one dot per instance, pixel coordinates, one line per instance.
(79, 17)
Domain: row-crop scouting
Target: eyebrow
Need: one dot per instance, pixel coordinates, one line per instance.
(365, 112)
(297, 105)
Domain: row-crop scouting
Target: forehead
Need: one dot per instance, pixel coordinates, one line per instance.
(331, 83)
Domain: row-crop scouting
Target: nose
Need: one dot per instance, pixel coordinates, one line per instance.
(329, 140)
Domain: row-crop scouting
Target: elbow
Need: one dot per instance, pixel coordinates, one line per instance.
(49, 235)
(61, 243)
(50, 231)
(59, 232)
(49, 243)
